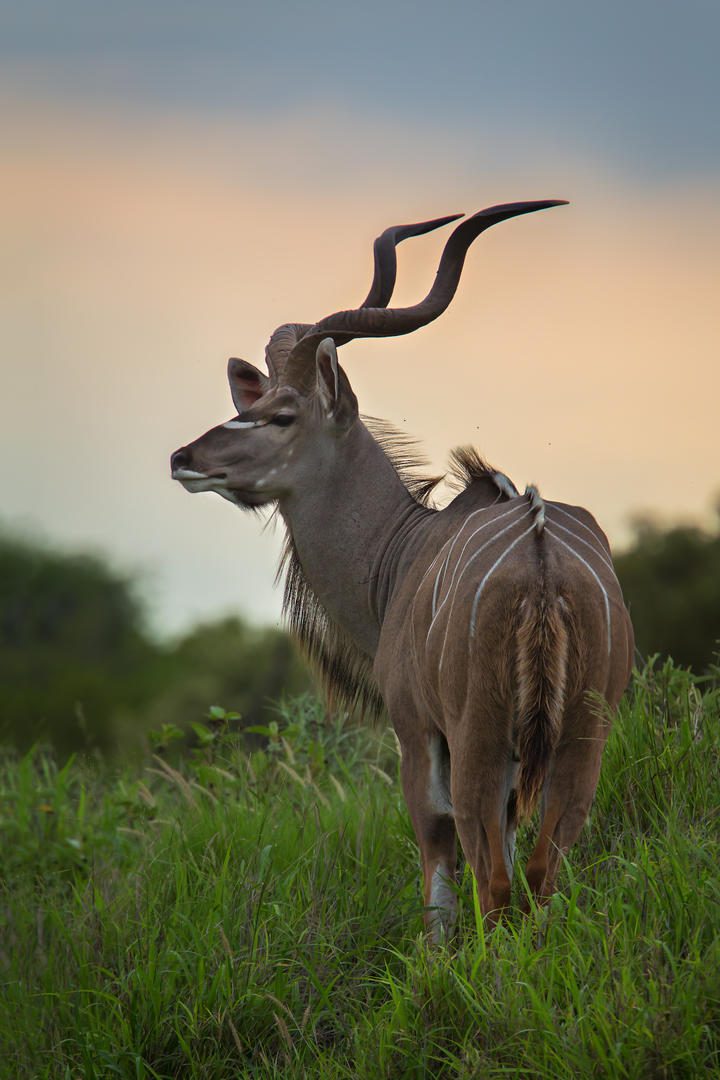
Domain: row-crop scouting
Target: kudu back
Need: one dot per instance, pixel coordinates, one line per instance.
(493, 631)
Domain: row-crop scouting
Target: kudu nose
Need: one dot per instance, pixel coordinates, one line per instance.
(180, 459)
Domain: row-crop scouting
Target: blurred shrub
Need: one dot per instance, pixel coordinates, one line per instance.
(671, 582)
(78, 669)
(229, 663)
(72, 648)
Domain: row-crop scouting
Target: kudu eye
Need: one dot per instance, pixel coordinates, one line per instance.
(283, 419)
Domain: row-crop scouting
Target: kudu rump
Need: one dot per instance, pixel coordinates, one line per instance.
(489, 629)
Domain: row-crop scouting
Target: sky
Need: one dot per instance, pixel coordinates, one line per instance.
(178, 179)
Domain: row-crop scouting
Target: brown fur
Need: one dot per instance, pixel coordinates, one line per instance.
(345, 672)
(482, 625)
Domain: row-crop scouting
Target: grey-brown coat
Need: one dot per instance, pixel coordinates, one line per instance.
(490, 630)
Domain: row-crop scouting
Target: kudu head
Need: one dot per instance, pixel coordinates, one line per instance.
(289, 420)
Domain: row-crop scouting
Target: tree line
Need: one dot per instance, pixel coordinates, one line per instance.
(670, 579)
(80, 670)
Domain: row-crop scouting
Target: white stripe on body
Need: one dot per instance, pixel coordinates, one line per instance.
(597, 579)
(469, 563)
(600, 554)
(500, 517)
(456, 536)
(493, 568)
(425, 576)
(413, 636)
(454, 584)
(450, 540)
(560, 510)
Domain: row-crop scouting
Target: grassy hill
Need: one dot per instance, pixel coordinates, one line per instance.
(258, 915)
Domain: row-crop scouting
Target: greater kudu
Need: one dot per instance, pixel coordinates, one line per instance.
(490, 630)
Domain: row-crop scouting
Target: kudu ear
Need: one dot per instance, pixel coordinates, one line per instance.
(333, 386)
(247, 384)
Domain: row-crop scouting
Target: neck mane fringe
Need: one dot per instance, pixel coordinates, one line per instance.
(345, 671)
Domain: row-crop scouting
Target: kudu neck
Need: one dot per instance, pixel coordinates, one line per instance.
(348, 532)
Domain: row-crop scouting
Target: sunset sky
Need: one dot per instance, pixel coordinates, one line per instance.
(177, 179)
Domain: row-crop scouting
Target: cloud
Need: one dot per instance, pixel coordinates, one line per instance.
(141, 250)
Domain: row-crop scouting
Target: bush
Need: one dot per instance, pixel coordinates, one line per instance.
(671, 583)
(73, 649)
(80, 672)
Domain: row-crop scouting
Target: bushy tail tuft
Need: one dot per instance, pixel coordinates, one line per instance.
(541, 670)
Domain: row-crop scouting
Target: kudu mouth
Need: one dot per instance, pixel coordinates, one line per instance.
(194, 479)
(188, 474)
(216, 480)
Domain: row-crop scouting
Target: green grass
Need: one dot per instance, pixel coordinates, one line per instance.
(235, 915)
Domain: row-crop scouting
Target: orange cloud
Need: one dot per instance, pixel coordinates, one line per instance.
(580, 352)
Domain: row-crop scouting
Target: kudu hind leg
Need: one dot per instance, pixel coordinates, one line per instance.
(425, 778)
(567, 796)
(483, 774)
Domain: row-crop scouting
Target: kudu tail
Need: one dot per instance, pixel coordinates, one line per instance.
(541, 673)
